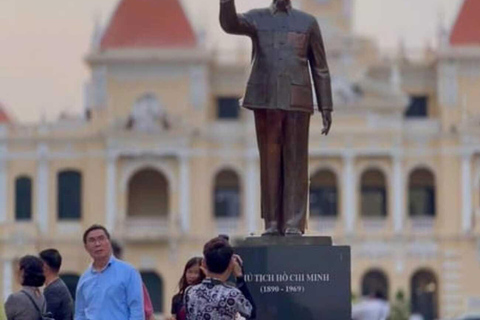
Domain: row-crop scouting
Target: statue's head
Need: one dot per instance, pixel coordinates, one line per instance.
(282, 4)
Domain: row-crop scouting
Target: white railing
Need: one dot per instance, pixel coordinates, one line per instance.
(146, 228)
(422, 224)
(374, 224)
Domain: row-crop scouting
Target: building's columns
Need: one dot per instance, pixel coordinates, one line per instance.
(251, 192)
(3, 184)
(398, 195)
(467, 214)
(185, 193)
(42, 187)
(7, 278)
(349, 197)
(111, 192)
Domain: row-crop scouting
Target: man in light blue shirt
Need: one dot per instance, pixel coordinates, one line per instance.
(110, 289)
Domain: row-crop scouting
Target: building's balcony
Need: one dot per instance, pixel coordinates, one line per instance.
(424, 225)
(138, 229)
(374, 224)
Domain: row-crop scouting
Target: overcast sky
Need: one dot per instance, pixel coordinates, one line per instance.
(42, 43)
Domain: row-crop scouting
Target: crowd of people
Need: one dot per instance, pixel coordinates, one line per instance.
(111, 288)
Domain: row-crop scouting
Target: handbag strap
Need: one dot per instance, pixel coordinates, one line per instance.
(33, 302)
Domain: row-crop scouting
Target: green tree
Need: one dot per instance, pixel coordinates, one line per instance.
(400, 309)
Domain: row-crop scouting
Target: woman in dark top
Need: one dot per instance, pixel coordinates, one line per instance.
(192, 275)
(29, 303)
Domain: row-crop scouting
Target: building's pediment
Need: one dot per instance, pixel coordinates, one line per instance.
(149, 124)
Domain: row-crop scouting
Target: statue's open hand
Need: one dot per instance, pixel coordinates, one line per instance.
(327, 121)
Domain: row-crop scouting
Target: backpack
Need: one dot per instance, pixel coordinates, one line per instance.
(43, 315)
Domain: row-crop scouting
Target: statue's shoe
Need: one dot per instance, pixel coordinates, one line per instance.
(272, 231)
(293, 232)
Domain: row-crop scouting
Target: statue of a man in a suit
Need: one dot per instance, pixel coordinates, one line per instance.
(279, 91)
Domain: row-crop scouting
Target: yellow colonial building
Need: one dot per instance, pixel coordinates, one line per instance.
(165, 159)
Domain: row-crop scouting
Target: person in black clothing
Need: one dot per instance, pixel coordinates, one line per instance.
(214, 298)
(59, 300)
(192, 275)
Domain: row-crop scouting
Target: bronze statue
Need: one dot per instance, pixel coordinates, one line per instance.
(279, 91)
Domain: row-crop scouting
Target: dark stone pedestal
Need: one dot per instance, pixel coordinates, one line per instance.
(304, 278)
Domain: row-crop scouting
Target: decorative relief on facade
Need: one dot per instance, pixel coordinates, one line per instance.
(148, 115)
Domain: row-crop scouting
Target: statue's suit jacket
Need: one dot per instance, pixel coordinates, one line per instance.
(284, 45)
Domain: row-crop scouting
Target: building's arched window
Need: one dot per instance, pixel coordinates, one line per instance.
(374, 194)
(69, 195)
(424, 294)
(148, 194)
(323, 194)
(421, 193)
(154, 284)
(375, 282)
(23, 199)
(71, 280)
(227, 195)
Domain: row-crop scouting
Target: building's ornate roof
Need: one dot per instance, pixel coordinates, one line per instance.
(148, 24)
(466, 30)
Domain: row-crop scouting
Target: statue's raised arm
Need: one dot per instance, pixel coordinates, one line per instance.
(232, 22)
